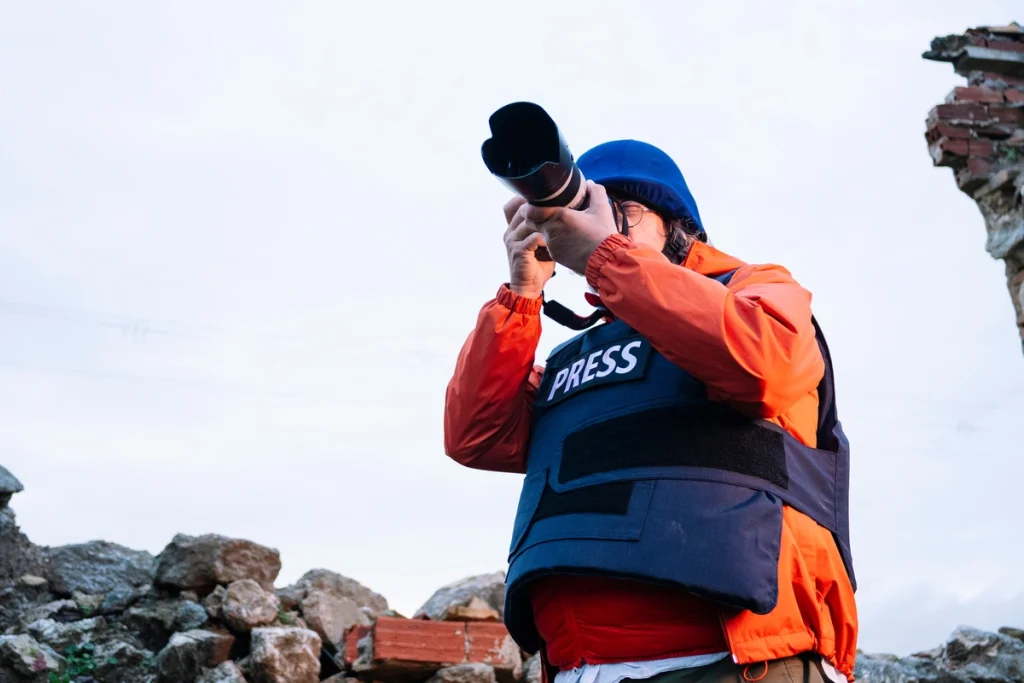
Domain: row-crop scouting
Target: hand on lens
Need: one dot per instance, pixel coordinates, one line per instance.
(527, 274)
(571, 236)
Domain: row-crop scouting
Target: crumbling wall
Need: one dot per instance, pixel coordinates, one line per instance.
(979, 133)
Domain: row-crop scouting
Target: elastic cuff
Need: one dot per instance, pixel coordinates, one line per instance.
(516, 302)
(604, 251)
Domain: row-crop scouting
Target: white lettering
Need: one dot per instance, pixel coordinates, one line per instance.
(559, 380)
(609, 364)
(574, 375)
(630, 358)
(588, 373)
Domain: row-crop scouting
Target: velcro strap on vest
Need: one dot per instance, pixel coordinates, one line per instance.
(611, 498)
(676, 436)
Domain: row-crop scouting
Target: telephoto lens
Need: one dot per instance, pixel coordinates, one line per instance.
(528, 154)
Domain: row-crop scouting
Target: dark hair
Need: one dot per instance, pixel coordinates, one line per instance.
(680, 233)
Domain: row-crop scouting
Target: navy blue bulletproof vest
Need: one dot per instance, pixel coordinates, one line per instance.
(634, 473)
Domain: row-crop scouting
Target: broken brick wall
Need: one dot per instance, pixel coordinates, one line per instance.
(979, 133)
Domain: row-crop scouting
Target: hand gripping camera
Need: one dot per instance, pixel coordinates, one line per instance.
(528, 154)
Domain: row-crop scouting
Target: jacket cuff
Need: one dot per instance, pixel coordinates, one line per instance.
(604, 251)
(516, 302)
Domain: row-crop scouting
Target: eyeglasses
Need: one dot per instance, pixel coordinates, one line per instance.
(627, 213)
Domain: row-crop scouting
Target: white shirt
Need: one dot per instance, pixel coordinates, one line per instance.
(614, 673)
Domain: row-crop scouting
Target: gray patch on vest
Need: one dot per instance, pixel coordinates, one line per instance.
(621, 361)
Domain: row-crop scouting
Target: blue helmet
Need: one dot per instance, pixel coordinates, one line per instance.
(644, 171)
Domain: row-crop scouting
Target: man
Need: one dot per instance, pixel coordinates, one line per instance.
(685, 511)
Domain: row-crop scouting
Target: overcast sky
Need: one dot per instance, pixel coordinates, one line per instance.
(242, 242)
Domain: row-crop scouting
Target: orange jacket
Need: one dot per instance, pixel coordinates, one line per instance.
(751, 342)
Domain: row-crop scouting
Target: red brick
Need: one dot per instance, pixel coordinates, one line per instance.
(974, 94)
(978, 166)
(943, 130)
(412, 649)
(965, 112)
(350, 650)
(949, 152)
(419, 640)
(976, 36)
(993, 80)
(974, 175)
(490, 643)
(1014, 96)
(981, 148)
(1006, 114)
(1008, 45)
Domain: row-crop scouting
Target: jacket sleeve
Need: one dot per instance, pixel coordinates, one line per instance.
(489, 399)
(751, 342)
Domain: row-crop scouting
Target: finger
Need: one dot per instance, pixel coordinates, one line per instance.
(512, 206)
(533, 242)
(524, 229)
(515, 223)
(598, 194)
(541, 214)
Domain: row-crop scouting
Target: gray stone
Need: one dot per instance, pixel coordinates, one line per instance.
(490, 588)
(532, 670)
(885, 669)
(290, 620)
(58, 610)
(60, 635)
(9, 485)
(290, 596)
(1012, 632)
(89, 604)
(32, 581)
(330, 615)
(28, 658)
(190, 616)
(1003, 62)
(120, 599)
(200, 563)
(97, 567)
(187, 654)
(968, 656)
(18, 555)
(285, 655)
(214, 602)
(118, 662)
(465, 673)
(154, 622)
(333, 583)
(980, 654)
(228, 672)
(247, 606)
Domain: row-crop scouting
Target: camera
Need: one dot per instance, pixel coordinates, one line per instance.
(528, 154)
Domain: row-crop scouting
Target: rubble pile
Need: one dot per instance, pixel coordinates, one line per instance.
(206, 610)
(979, 133)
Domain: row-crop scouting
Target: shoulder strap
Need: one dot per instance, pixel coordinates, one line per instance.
(725, 277)
(827, 412)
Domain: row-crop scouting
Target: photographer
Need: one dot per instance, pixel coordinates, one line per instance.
(684, 515)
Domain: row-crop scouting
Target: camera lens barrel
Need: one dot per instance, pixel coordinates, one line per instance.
(528, 154)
